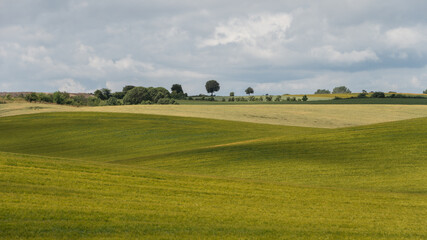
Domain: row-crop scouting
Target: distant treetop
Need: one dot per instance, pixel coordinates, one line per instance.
(322, 91)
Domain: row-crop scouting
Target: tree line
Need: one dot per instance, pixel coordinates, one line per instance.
(158, 95)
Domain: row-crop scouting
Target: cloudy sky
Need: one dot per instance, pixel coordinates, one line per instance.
(276, 47)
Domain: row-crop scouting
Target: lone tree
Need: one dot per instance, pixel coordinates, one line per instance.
(177, 88)
(249, 90)
(212, 86)
(341, 89)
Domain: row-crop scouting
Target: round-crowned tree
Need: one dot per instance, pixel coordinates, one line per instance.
(249, 90)
(177, 88)
(136, 96)
(212, 86)
(127, 88)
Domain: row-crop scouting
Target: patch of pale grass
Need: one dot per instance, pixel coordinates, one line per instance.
(322, 116)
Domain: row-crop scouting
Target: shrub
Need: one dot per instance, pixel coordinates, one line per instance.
(31, 97)
(362, 95)
(304, 98)
(378, 95)
(79, 100)
(166, 101)
(60, 97)
(112, 101)
(278, 98)
(288, 99)
(43, 97)
(93, 101)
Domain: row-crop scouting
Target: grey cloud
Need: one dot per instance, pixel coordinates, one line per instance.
(291, 46)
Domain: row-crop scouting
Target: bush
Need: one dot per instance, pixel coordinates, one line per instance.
(304, 98)
(60, 97)
(378, 95)
(166, 101)
(112, 101)
(231, 99)
(31, 97)
(45, 97)
(93, 101)
(362, 95)
(269, 98)
(79, 100)
(278, 98)
(288, 99)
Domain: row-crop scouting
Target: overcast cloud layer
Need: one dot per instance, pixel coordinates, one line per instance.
(289, 47)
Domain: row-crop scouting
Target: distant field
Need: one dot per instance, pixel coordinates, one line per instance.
(323, 116)
(133, 176)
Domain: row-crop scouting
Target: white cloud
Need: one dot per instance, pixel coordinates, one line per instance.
(68, 85)
(330, 54)
(250, 30)
(404, 37)
(416, 82)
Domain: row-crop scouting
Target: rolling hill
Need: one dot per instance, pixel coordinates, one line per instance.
(117, 175)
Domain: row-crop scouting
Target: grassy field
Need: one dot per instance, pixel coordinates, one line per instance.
(115, 175)
(323, 116)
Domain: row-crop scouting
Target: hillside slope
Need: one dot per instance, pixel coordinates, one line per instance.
(110, 175)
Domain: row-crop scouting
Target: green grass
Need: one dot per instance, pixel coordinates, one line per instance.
(110, 175)
(402, 101)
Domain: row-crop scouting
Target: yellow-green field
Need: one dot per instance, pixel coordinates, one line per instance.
(82, 175)
(323, 116)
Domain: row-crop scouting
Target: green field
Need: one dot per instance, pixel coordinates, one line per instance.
(132, 176)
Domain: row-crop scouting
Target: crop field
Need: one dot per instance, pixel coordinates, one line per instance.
(98, 175)
(322, 116)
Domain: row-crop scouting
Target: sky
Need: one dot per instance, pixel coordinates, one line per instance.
(275, 47)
